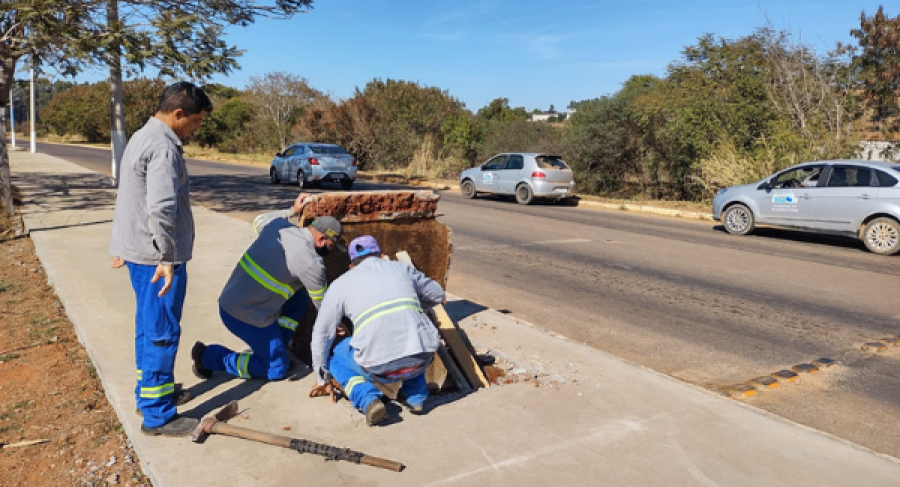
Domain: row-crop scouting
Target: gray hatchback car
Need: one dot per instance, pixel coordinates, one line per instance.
(527, 175)
(311, 163)
(860, 199)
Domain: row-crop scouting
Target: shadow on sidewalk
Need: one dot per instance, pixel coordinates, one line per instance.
(69, 192)
(236, 393)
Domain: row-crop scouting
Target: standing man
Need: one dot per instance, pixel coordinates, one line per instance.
(262, 300)
(393, 339)
(153, 232)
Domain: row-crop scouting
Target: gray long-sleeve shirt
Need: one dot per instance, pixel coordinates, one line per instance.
(386, 301)
(278, 264)
(153, 223)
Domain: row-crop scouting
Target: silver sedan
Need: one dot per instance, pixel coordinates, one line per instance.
(860, 199)
(526, 175)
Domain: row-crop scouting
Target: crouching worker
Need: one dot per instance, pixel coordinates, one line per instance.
(269, 279)
(393, 340)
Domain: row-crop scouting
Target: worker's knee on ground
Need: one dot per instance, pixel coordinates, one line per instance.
(278, 369)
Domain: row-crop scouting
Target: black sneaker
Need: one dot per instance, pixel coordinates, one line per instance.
(179, 426)
(375, 412)
(197, 355)
(182, 396)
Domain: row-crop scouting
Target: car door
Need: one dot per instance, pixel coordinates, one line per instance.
(846, 199)
(490, 172)
(511, 174)
(789, 198)
(285, 164)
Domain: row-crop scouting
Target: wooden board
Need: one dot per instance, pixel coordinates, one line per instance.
(457, 346)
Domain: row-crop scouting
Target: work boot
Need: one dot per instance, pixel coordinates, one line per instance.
(182, 396)
(197, 354)
(178, 426)
(375, 412)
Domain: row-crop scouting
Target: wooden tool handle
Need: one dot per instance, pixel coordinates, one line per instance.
(226, 429)
(381, 463)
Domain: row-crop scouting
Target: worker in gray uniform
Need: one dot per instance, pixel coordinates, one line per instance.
(283, 261)
(393, 339)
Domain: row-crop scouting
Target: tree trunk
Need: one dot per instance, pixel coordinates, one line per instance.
(116, 98)
(7, 70)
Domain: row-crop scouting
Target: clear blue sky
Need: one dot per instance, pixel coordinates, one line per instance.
(534, 53)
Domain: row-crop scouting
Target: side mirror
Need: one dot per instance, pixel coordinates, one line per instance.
(766, 185)
(279, 154)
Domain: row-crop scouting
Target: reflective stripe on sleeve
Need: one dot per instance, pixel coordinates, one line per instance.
(317, 295)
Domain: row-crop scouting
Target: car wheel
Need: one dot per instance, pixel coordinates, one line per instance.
(524, 195)
(468, 189)
(882, 236)
(273, 176)
(301, 179)
(346, 184)
(738, 220)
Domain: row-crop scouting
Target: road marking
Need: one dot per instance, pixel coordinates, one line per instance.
(539, 243)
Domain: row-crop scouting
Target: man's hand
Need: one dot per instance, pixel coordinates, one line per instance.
(323, 390)
(167, 272)
(302, 200)
(117, 263)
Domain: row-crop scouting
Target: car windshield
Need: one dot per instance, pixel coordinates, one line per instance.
(896, 168)
(548, 162)
(327, 150)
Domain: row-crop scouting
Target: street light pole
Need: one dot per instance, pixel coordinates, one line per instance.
(33, 132)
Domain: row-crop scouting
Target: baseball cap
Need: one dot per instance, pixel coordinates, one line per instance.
(363, 245)
(331, 228)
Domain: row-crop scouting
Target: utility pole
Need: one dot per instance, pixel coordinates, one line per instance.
(33, 132)
(116, 97)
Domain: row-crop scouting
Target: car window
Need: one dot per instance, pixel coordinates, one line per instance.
(804, 176)
(289, 152)
(327, 150)
(843, 176)
(885, 179)
(515, 162)
(549, 162)
(495, 163)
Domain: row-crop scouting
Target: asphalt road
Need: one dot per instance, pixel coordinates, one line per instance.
(678, 296)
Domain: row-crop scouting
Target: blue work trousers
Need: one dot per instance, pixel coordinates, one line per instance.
(157, 331)
(357, 383)
(269, 358)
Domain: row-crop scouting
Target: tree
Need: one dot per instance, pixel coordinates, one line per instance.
(498, 109)
(877, 64)
(177, 37)
(280, 99)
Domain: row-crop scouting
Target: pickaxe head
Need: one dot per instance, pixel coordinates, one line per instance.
(204, 429)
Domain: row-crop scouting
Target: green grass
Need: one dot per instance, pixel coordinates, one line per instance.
(8, 357)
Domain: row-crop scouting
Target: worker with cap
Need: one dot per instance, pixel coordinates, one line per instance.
(393, 339)
(283, 261)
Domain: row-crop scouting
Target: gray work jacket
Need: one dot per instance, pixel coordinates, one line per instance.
(281, 262)
(386, 301)
(152, 222)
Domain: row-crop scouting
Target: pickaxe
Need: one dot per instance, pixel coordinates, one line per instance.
(216, 424)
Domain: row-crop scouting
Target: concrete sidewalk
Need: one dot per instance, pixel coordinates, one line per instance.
(592, 420)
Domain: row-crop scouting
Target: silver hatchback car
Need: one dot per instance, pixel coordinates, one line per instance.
(526, 175)
(311, 163)
(860, 199)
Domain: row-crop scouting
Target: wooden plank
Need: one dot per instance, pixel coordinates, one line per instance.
(464, 359)
(436, 374)
(454, 340)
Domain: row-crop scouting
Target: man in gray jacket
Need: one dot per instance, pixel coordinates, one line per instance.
(153, 232)
(393, 339)
(263, 298)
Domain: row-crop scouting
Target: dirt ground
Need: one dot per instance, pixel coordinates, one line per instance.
(49, 389)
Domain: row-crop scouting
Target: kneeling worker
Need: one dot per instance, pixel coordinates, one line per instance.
(282, 260)
(393, 339)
